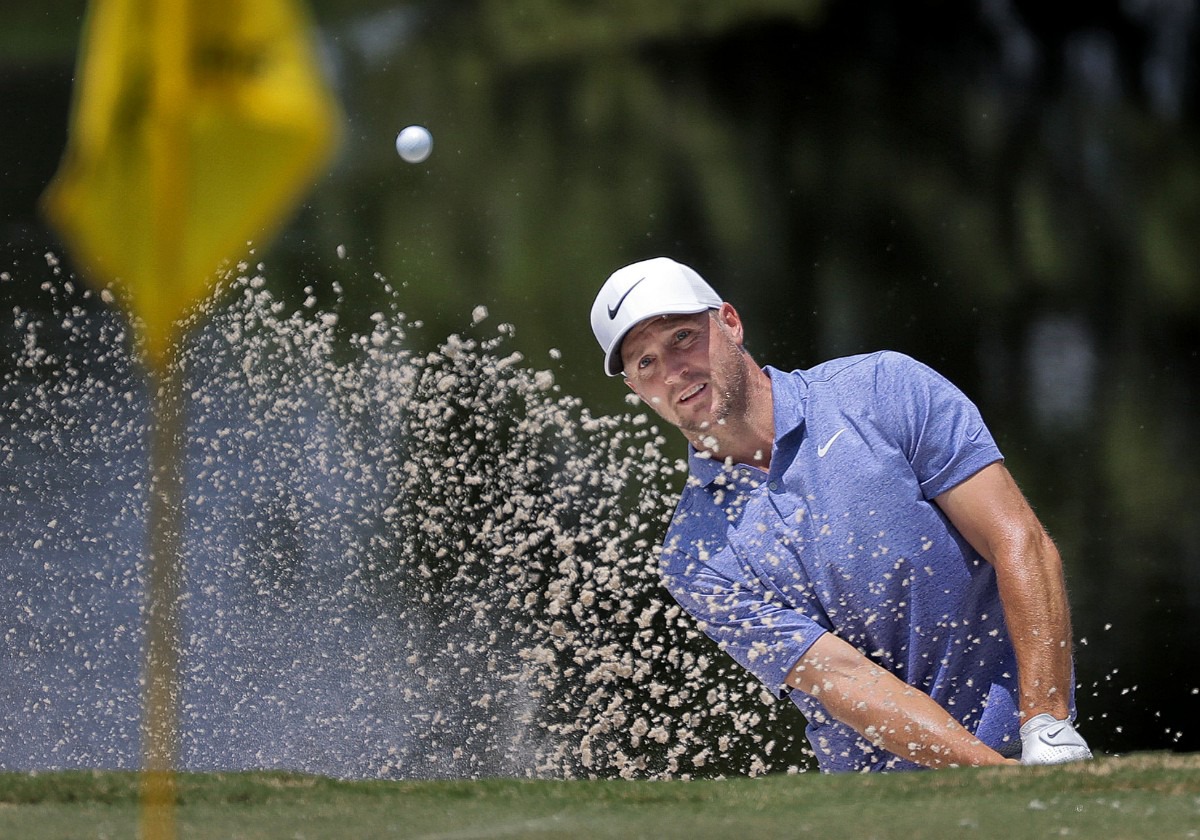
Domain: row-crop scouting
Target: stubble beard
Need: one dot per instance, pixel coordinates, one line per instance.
(731, 400)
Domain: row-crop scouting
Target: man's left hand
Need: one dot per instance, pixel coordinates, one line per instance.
(1047, 740)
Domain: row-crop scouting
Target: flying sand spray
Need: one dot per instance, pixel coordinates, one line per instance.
(400, 562)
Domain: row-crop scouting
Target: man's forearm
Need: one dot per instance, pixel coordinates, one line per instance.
(883, 709)
(1039, 623)
(990, 511)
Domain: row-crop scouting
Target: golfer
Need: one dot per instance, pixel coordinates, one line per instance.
(850, 535)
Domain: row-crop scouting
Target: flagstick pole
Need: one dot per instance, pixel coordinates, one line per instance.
(164, 589)
(142, 126)
(168, 153)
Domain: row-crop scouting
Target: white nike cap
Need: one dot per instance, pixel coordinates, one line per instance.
(645, 289)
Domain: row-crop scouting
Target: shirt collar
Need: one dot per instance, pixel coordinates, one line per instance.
(789, 395)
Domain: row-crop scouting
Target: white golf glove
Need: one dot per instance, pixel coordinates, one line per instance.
(1046, 740)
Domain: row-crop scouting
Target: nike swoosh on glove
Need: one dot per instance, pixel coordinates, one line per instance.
(1047, 740)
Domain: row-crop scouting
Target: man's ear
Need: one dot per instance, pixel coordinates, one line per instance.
(732, 321)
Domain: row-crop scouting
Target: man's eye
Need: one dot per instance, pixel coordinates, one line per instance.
(643, 362)
(682, 334)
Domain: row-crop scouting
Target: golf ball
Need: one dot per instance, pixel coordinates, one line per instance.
(414, 143)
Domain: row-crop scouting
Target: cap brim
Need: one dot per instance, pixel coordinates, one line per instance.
(612, 359)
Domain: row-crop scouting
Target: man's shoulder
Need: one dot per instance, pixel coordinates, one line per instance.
(694, 503)
(853, 374)
(697, 515)
(861, 365)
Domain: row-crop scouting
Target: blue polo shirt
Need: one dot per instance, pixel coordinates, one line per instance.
(842, 536)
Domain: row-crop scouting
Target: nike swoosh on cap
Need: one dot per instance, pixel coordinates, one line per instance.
(613, 310)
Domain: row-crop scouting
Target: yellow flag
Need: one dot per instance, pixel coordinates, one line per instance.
(196, 126)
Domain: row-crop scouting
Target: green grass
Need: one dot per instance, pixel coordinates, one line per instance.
(1152, 795)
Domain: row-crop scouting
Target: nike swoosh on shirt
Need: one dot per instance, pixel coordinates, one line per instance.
(613, 310)
(821, 450)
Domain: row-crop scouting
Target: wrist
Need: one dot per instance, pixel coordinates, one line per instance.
(1058, 708)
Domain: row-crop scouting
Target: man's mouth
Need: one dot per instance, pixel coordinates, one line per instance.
(691, 392)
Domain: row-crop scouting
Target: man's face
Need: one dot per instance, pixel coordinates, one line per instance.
(688, 368)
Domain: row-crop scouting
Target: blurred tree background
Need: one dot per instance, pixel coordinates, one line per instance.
(1007, 190)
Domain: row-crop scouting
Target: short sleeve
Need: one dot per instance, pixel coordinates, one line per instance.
(731, 606)
(939, 429)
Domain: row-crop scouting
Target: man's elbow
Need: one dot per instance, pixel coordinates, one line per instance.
(827, 663)
(1025, 545)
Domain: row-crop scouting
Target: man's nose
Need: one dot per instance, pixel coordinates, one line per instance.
(677, 367)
